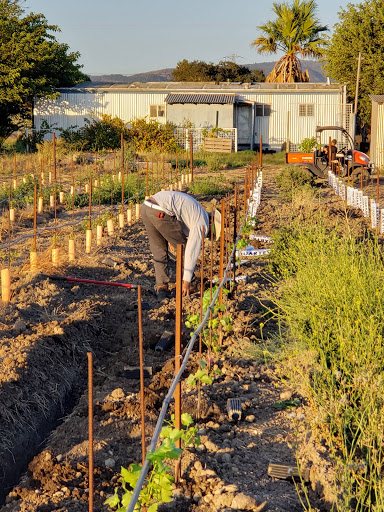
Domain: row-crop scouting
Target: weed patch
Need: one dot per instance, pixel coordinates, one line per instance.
(331, 299)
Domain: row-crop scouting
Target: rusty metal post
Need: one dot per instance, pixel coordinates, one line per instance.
(178, 327)
(55, 182)
(222, 238)
(329, 153)
(54, 157)
(235, 234)
(41, 175)
(34, 217)
(191, 153)
(15, 173)
(245, 193)
(122, 172)
(211, 294)
(361, 177)
(146, 179)
(201, 316)
(90, 430)
(90, 202)
(141, 351)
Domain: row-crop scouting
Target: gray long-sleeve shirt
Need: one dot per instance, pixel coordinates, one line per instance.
(193, 218)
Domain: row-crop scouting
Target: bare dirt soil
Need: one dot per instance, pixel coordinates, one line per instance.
(50, 325)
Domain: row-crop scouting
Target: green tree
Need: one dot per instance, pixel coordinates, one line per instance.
(225, 71)
(258, 75)
(32, 64)
(360, 29)
(194, 71)
(295, 31)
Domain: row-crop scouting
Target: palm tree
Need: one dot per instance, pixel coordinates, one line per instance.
(296, 30)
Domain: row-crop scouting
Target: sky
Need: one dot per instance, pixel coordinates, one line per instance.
(135, 36)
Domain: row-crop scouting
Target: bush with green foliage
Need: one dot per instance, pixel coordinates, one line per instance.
(292, 179)
(104, 132)
(153, 136)
(210, 186)
(308, 145)
(331, 301)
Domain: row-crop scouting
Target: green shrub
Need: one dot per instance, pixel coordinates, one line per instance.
(292, 179)
(210, 186)
(214, 161)
(153, 136)
(332, 300)
(104, 133)
(308, 145)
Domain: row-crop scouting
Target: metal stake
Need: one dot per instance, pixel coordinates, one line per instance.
(201, 316)
(122, 173)
(139, 309)
(90, 429)
(34, 217)
(178, 322)
(191, 153)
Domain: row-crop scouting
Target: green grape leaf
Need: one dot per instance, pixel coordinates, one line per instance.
(186, 419)
(113, 501)
(191, 381)
(166, 432)
(126, 499)
(132, 475)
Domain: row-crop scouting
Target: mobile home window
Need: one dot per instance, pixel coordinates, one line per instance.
(156, 111)
(263, 110)
(306, 110)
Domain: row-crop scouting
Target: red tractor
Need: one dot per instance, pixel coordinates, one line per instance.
(346, 161)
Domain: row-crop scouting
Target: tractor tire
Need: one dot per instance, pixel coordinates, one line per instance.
(358, 173)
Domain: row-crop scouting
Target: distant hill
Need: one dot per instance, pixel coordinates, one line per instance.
(166, 75)
(161, 75)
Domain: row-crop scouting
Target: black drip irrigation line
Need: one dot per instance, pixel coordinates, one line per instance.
(186, 355)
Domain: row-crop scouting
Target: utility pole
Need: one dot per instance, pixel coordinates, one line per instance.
(357, 94)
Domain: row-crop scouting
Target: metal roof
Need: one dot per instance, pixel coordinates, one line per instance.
(201, 87)
(379, 98)
(208, 99)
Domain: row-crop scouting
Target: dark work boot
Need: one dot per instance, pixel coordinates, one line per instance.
(162, 292)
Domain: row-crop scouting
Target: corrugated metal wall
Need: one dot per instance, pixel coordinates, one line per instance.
(283, 124)
(71, 108)
(379, 152)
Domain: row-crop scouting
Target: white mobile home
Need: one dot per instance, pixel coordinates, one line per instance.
(377, 130)
(283, 114)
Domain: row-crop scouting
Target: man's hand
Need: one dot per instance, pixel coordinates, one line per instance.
(186, 288)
